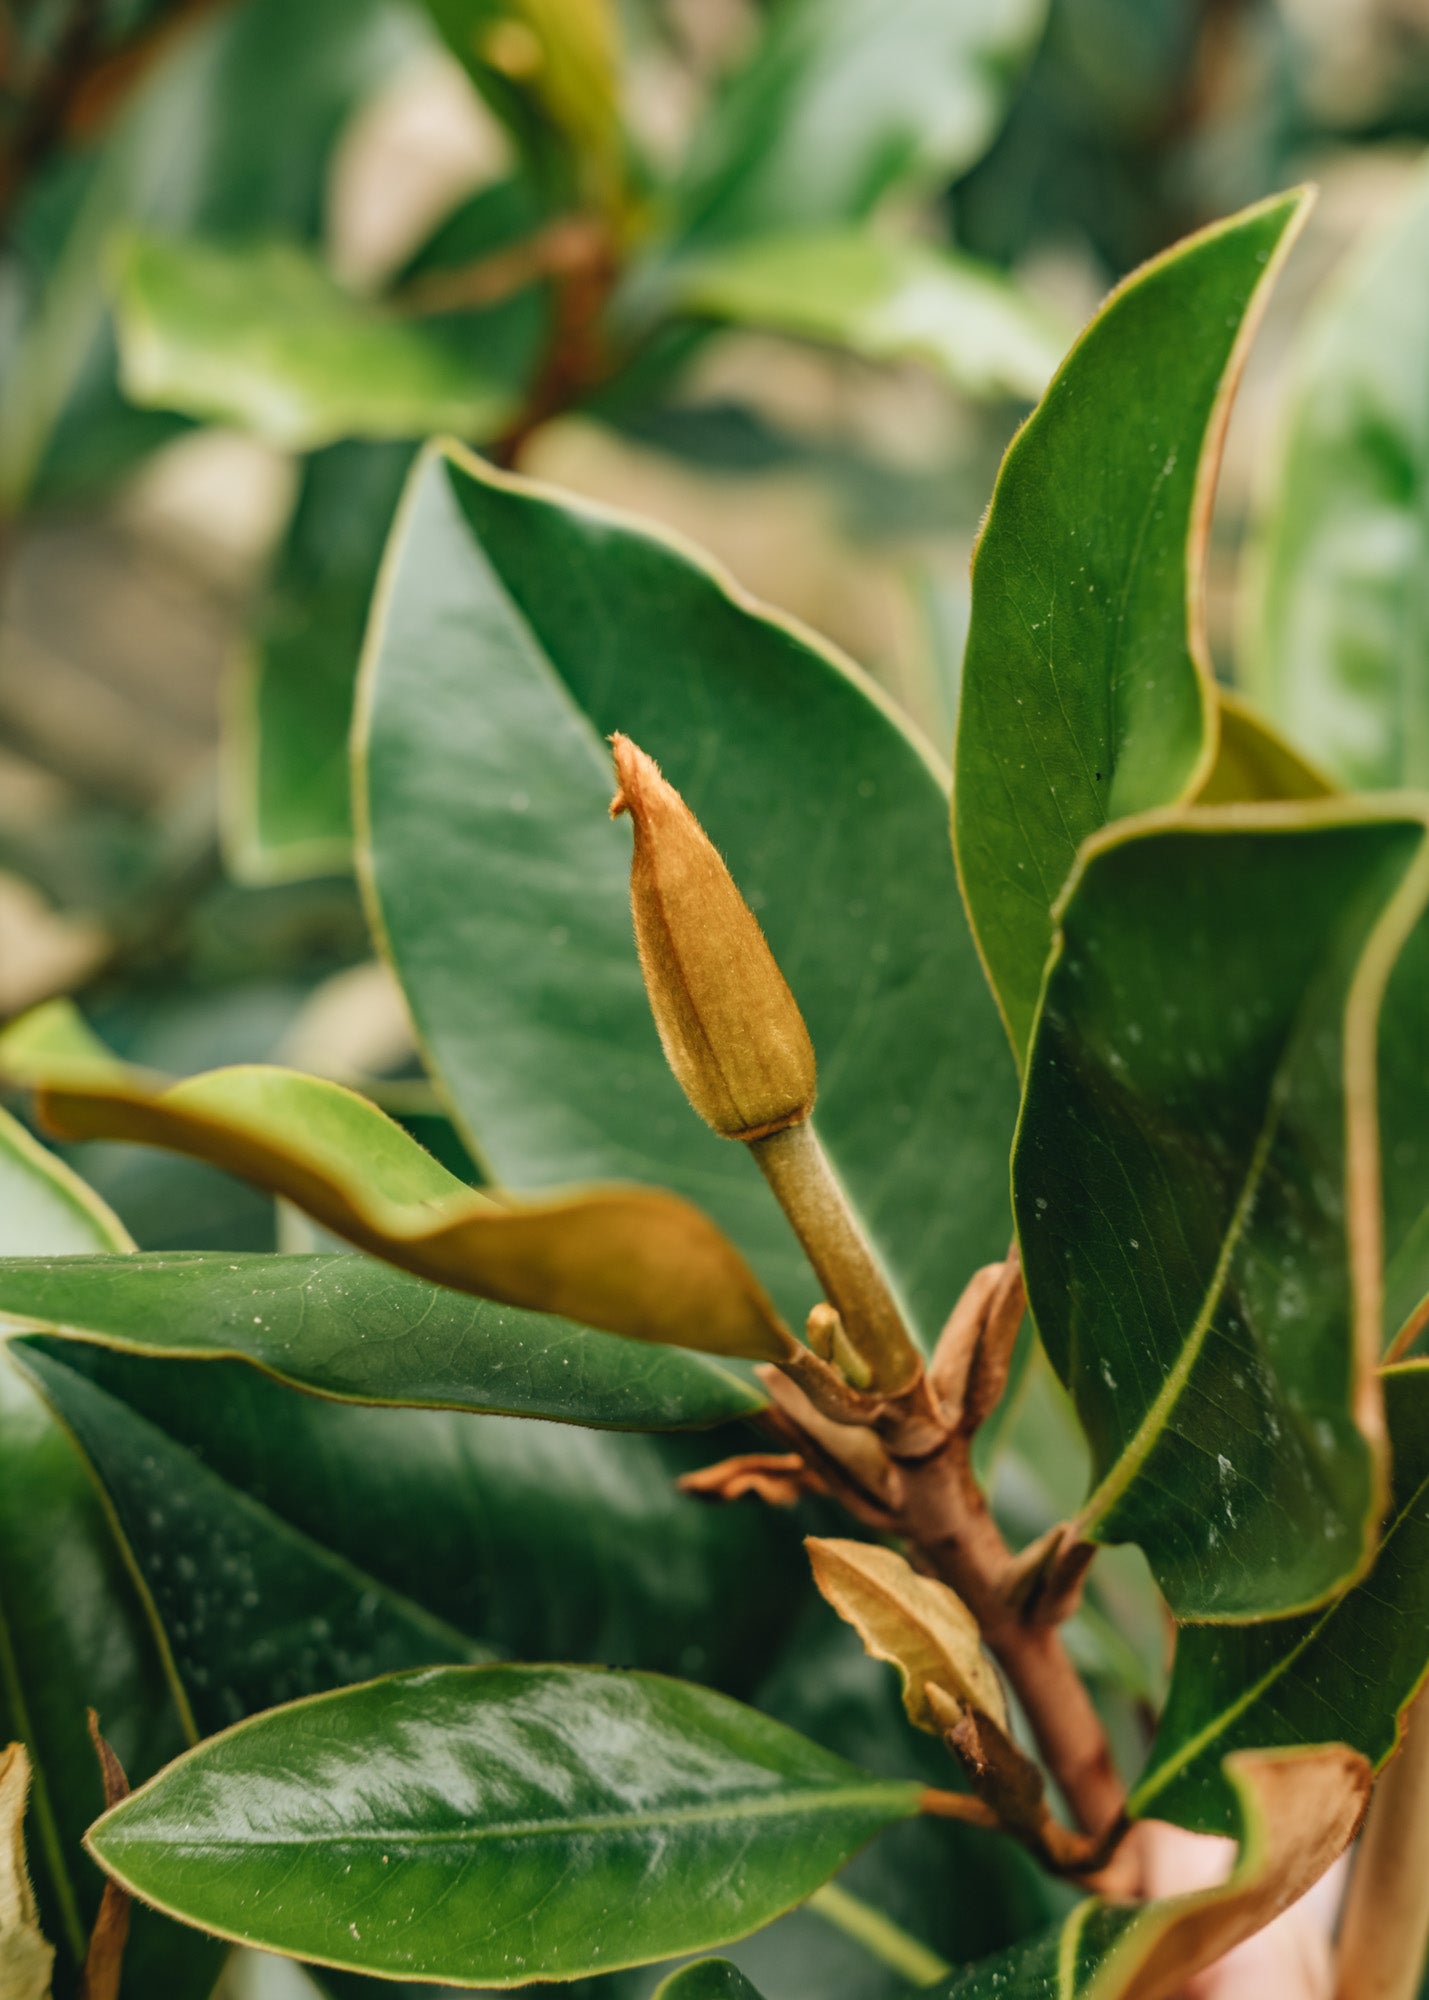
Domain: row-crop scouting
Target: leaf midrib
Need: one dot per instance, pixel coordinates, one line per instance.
(823, 1799)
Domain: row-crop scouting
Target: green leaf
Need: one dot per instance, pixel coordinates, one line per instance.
(292, 1544)
(844, 102)
(1254, 763)
(707, 1979)
(1404, 1146)
(73, 1631)
(1337, 635)
(356, 1329)
(497, 1825)
(286, 806)
(261, 337)
(1196, 1189)
(1347, 1673)
(1087, 691)
(887, 300)
(516, 629)
(1295, 1812)
(629, 1260)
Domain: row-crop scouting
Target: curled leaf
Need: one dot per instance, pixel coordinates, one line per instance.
(628, 1260)
(25, 1957)
(915, 1623)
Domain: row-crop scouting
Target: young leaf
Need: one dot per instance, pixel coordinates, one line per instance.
(1297, 1811)
(515, 630)
(261, 337)
(356, 1329)
(1336, 637)
(496, 1825)
(25, 1957)
(291, 1544)
(886, 299)
(845, 101)
(914, 1622)
(1087, 690)
(1349, 1671)
(628, 1260)
(1195, 1180)
(75, 1630)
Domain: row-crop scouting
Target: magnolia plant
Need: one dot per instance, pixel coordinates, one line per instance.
(1182, 987)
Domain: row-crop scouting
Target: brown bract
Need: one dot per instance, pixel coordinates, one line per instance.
(731, 1029)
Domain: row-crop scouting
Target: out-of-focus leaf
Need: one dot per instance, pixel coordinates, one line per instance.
(1087, 691)
(354, 1328)
(496, 1825)
(291, 1544)
(1254, 763)
(519, 628)
(1196, 1189)
(885, 299)
(77, 1634)
(1297, 1810)
(1348, 1672)
(843, 102)
(26, 1959)
(630, 1260)
(261, 337)
(230, 136)
(1338, 634)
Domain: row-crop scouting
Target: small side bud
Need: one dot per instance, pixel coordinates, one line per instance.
(731, 1029)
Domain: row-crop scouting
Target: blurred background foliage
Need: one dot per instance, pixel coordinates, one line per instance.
(784, 277)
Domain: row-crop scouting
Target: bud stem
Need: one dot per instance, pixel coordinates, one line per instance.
(806, 1188)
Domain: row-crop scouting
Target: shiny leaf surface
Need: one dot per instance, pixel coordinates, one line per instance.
(1296, 1812)
(517, 630)
(497, 1825)
(1087, 691)
(630, 1260)
(1346, 1673)
(886, 300)
(261, 337)
(354, 1328)
(1339, 629)
(1195, 1185)
(707, 1979)
(844, 101)
(292, 1544)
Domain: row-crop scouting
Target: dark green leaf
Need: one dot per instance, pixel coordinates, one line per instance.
(845, 101)
(1087, 691)
(1196, 1191)
(497, 1825)
(1345, 1674)
(73, 1631)
(348, 1326)
(517, 629)
(707, 1979)
(292, 1544)
(1404, 1144)
(1339, 630)
(887, 300)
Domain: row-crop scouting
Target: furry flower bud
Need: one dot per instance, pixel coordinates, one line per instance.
(731, 1029)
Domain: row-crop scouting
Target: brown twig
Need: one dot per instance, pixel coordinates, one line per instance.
(577, 355)
(46, 106)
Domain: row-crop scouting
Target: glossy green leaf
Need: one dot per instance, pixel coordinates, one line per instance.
(1338, 633)
(292, 1544)
(1404, 1145)
(843, 102)
(1196, 1189)
(885, 299)
(73, 1632)
(285, 777)
(708, 1979)
(1087, 691)
(261, 337)
(1344, 1674)
(497, 1825)
(1254, 763)
(1295, 1812)
(357, 1329)
(629, 1260)
(515, 630)
(231, 135)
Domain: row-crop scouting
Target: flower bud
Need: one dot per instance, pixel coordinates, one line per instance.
(731, 1029)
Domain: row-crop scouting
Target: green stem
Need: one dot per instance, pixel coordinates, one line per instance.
(896, 1948)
